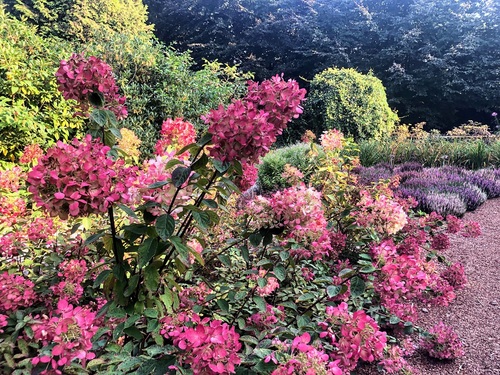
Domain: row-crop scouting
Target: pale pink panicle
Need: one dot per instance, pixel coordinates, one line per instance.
(79, 77)
(72, 274)
(206, 346)
(382, 213)
(332, 140)
(71, 330)
(292, 174)
(31, 154)
(442, 343)
(175, 135)
(10, 179)
(17, 292)
(247, 128)
(79, 179)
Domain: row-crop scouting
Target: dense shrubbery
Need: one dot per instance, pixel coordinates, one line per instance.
(164, 267)
(351, 102)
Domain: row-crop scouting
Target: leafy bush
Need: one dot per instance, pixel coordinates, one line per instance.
(31, 108)
(351, 102)
(273, 164)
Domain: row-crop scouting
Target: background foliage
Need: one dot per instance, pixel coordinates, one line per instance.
(439, 61)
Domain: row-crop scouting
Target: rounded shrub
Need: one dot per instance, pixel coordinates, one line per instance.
(351, 102)
(273, 165)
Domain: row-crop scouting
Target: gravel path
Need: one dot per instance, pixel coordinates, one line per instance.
(475, 314)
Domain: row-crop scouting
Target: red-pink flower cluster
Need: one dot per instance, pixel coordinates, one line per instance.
(71, 330)
(382, 213)
(454, 224)
(3, 322)
(356, 336)
(471, 229)
(174, 135)
(79, 77)
(72, 273)
(79, 179)
(248, 178)
(248, 127)
(401, 278)
(195, 295)
(305, 359)
(442, 343)
(12, 210)
(31, 154)
(394, 361)
(207, 346)
(17, 292)
(455, 275)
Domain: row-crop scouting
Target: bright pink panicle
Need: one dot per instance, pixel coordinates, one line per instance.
(355, 335)
(247, 128)
(78, 77)
(71, 330)
(79, 179)
(174, 135)
(208, 346)
(17, 292)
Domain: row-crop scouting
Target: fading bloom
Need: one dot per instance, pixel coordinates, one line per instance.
(442, 343)
(332, 140)
(31, 154)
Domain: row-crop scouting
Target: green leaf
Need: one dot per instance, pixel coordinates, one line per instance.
(151, 313)
(305, 297)
(180, 175)
(127, 210)
(151, 278)
(100, 278)
(191, 146)
(303, 320)
(205, 139)
(346, 273)
(280, 272)
(147, 251)
(367, 269)
(132, 285)
(262, 282)
(260, 302)
(168, 300)
(255, 239)
(250, 339)
(202, 218)
(223, 304)
(133, 332)
(200, 163)
(100, 117)
(196, 256)
(268, 238)
(93, 238)
(181, 248)
(158, 184)
(245, 254)
(221, 166)
(165, 225)
(210, 203)
(394, 319)
(333, 290)
(225, 260)
(116, 132)
(357, 286)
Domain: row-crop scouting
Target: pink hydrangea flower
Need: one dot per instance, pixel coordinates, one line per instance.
(207, 346)
(174, 135)
(17, 292)
(332, 140)
(78, 77)
(71, 330)
(3, 322)
(79, 179)
(247, 128)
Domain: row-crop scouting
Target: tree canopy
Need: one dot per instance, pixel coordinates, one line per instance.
(440, 61)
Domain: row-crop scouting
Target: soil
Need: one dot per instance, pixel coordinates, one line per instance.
(475, 313)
